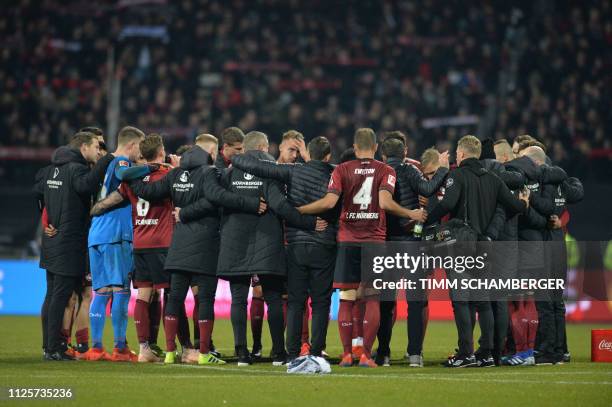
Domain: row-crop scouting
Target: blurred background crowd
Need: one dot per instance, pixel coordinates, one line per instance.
(434, 69)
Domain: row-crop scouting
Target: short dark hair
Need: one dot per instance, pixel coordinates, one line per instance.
(232, 135)
(530, 143)
(96, 131)
(181, 150)
(151, 145)
(393, 148)
(348, 155)
(80, 138)
(396, 134)
(128, 134)
(319, 148)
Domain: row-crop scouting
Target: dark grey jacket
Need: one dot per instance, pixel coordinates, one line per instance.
(305, 183)
(66, 188)
(194, 187)
(252, 244)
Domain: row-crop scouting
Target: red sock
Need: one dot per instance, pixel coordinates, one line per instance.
(531, 314)
(520, 327)
(66, 335)
(183, 328)
(194, 318)
(357, 316)
(171, 328)
(82, 336)
(155, 314)
(345, 324)
(206, 328)
(371, 322)
(257, 314)
(305, 320)
(141, 320)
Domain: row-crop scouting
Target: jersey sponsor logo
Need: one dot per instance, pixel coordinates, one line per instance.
(364, 171)
(184, 176)
(146, 222)
(123, 163)
(362, 215)
(248, 176)
(449, 182)
(55, 172)
(391, 180)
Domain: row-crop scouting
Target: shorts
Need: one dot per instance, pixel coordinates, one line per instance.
(347, 274)
(111, 265)
(149, 270)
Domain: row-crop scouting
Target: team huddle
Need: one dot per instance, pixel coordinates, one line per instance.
(290, 231)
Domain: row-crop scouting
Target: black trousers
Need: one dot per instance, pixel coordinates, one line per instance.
(273, 288)
(311, 273)
(59, 291)
(180, 281)
(463, 310)
(550, 337)
(385, 329)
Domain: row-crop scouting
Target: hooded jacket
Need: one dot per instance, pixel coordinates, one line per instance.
(66, 188)
(194, 187)
(252, 244)
(305, 183)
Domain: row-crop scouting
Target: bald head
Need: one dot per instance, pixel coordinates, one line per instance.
(536, 154)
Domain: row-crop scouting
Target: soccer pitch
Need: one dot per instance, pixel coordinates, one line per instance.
(103, 383)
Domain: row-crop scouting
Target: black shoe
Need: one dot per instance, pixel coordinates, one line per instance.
(279, 359)
(60, 356)
(543, 360)
(381, 360)
(244, 357)
(458, 361)
(485, 361)
(256, 353)
(567, 357)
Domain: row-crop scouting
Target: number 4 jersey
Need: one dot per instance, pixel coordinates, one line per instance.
(153, 221)
(358, 183)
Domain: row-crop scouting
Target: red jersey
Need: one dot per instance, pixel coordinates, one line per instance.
(358, 182)
(153, 222)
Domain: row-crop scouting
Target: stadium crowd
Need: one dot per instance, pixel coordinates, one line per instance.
(324, 67)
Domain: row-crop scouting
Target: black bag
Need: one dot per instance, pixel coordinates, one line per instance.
(458, 232)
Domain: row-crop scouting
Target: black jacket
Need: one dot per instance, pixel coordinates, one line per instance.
(252, 244)
(483, 191)
(409, 185)
(504, 227)
(305, 183)
(194, 187)
(66, 188)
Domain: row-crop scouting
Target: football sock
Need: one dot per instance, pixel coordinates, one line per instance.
(305, 320)
(82, 336)
(119, 317)
(184, 336)
(66, 335)
(371, 322)
(170, 328)
(155, 313)
(97, 317)
(357, 315)
(205, 327)
(345, 324)
(194, 317)
(141, 320)
(257, 314)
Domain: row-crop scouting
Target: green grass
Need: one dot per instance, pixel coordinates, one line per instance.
(578, 383)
